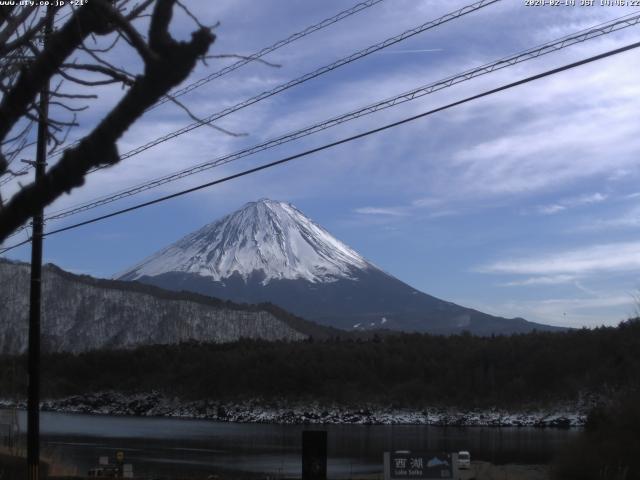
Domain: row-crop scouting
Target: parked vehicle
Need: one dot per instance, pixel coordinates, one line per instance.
(464, 460)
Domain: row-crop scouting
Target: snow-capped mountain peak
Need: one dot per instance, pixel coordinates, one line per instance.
(266, 236)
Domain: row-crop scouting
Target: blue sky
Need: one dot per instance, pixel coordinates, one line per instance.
(525, 203)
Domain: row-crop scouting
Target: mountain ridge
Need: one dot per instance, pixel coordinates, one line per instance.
(82, 313)
(274, 237)
(270, 251)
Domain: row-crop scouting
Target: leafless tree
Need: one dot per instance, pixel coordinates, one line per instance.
(73, 59)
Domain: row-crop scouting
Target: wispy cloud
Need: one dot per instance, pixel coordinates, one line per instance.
(551, 209)
(544, 280)
(588, 199)
(612, 257)
(626, 219)
(565, 204)
(427, 202)
(427, 207)
(443, 213)
(387, 211)
(525, 156)
(577, 312)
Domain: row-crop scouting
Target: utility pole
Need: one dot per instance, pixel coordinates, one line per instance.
(33, 400)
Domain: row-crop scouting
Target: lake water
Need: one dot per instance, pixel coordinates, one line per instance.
(164, 446)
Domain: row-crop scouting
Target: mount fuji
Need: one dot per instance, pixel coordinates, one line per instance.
(269, 251)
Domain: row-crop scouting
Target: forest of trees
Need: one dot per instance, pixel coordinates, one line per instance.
(402, 369)
(609, 446)
(409, 370)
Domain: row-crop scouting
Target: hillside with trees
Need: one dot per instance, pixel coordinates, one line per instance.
(403, 370)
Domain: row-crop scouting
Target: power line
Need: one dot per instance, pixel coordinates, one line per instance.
(6, 249)
(297, 81)
(26, 168)
(311, 75)
(306, 77)
(243, 173)
(357, 8)
(279, 44)
(504, 62)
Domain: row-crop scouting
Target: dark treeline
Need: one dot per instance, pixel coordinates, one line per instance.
(608, 448)
(404, 369)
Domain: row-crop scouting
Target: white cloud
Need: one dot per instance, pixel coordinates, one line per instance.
(427, 202)
(551, 209)
(545, 137)
(526, 157)
(443, 213)
(390, 211)
(579, 312)
(544, 280)
(589, 199)
(627, 219)
(574, 312)
(612, 257)
(562, 205)
(531, 159)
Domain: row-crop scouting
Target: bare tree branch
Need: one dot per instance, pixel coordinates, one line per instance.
(137, 11)
(86, 83)
(108, 48)
(92, 53)
(190, 15)
(132, 35)
(13, 23)
(61, 44)
(116, 76)
(24, 37)
(203, 122)
(69, 108)
(169, 65)
(73, 95)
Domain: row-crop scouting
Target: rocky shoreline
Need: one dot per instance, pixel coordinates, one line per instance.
(565, 415)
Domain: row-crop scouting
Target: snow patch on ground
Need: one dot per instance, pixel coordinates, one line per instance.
(154, 404)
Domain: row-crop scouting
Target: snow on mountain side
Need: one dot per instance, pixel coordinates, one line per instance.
(81, 313)
(265, 236)
(270, 252)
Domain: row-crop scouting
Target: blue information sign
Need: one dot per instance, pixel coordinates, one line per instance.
(406, 465)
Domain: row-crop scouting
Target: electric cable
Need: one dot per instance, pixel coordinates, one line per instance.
(306, 77)
(421, 91)
(279, 44)
(367, 133)
(311, 75)
(357, 8)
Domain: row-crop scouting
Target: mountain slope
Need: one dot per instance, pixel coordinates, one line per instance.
(272, 237)
(270, 251)
(82, 313)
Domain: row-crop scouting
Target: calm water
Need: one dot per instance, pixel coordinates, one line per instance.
(160, 446)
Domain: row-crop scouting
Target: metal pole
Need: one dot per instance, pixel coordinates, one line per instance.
(33, 401)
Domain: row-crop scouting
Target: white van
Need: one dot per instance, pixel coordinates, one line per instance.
(464, 460)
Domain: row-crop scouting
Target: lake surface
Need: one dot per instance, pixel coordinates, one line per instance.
(165, 446)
